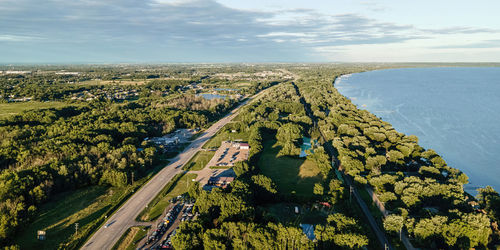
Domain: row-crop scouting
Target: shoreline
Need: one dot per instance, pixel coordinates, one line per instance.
(469, 188)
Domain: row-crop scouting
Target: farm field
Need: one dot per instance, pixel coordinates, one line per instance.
(13, 108)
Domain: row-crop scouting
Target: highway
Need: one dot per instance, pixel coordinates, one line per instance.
(124, 217)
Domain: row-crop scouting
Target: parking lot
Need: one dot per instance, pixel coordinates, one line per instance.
(161, 233)
(229, 153)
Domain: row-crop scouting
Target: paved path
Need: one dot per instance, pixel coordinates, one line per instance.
(121, 220)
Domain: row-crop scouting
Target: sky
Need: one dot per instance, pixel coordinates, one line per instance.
(156, 31)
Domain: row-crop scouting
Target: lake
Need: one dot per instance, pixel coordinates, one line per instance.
(212, 96)
(455, 111)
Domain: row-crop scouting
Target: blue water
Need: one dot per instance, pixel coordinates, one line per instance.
(212, 96)
(455, 111)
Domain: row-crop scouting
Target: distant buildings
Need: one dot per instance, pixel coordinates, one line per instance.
(16, 72)
(173, 140)
(68, 73)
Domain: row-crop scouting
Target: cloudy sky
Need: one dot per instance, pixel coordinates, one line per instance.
(100, 31)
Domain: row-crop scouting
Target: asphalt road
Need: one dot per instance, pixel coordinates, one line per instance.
(124, 218)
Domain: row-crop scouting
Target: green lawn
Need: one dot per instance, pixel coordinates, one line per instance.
(130, 238)
(216, 141)
(199, 160)
(58, 217)
(291, 175)
(177, 186)
(285, 213)
(8, 109)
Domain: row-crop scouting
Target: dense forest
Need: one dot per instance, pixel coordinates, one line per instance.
(90, 142)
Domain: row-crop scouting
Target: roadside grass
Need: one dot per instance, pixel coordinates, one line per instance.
(291, 175)
(130, 238)
(177, 186)
(86, 206)
(219, 167)
(199, 160)
(223, 135)
(12, 108)
(58, 216)
(369, 202)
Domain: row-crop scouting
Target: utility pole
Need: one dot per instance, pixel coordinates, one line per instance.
(350, 193)
(76, 228)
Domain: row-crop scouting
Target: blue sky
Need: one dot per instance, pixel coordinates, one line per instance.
(110, 31)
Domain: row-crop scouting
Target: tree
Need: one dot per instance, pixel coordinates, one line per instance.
(395, 156)
(188, 236)
(335, 190)
(430, 228)
(241, 168)
(322, 160)
(318, 189)
(288, 136)
(394, 223)
(265, 182)
(194, 190)
(387, 196)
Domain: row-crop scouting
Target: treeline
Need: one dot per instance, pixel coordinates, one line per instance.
(45, 152)
(234, 217)
(424, 195)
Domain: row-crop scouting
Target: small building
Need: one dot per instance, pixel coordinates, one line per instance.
(244, 145)
(220, 181)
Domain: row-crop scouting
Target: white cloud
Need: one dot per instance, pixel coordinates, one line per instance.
(17, 38)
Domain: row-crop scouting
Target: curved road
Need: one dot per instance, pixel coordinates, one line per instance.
(124, 217)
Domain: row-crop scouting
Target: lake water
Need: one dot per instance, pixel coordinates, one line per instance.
(212, 96)
(455, 111)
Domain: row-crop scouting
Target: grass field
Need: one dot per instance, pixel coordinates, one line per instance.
(177, 186)
(216, 141)
(285, 213)
(130, 238)
(8, 109)
(87, 207)
(291, 175)
(58, 217)
(199, 160)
